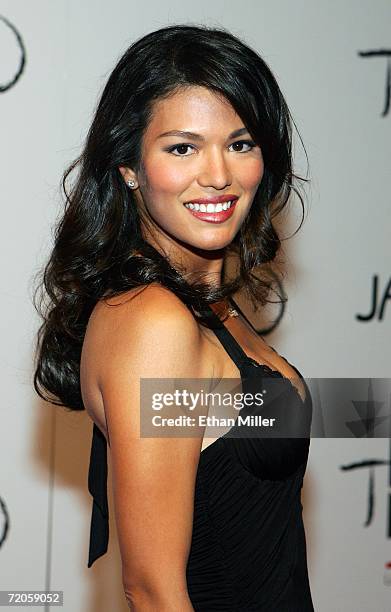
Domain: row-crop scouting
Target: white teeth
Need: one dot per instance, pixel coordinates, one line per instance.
(210, 208)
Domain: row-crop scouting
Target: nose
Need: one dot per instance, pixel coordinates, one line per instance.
(215, 171)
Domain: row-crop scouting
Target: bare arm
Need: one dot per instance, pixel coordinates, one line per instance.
(152, 336)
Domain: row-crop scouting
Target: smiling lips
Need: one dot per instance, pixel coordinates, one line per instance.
(213, 210)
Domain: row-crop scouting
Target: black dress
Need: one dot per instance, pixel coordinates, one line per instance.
(248, 548)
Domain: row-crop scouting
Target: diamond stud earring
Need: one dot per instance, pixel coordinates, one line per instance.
(131, 183)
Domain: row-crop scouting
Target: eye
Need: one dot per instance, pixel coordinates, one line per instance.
(181, 148)
(248, 143)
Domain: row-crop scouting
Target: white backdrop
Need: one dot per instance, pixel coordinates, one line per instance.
(339, 101)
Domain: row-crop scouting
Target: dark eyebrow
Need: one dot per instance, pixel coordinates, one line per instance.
(198, 137)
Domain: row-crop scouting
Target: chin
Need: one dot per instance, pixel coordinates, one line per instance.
(211, 245)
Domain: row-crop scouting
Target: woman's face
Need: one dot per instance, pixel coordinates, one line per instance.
(217, 162)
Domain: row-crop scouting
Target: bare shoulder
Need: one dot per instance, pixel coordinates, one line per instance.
(148, 329)
(133, 300)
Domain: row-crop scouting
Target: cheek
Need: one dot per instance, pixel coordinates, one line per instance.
(163, 177)
(251, 175)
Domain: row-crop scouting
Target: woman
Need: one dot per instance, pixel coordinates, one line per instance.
(187, 162)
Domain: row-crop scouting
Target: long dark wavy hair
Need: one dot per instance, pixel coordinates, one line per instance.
(99, 250)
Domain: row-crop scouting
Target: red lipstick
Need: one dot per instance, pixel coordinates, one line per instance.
(215, 199)
(214, 216)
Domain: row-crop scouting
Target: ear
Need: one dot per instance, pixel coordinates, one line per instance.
(128, 175)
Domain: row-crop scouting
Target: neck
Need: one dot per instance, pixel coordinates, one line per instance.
(191, 260)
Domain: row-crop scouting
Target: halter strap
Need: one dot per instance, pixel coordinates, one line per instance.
(228, 341)
(244, 316)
